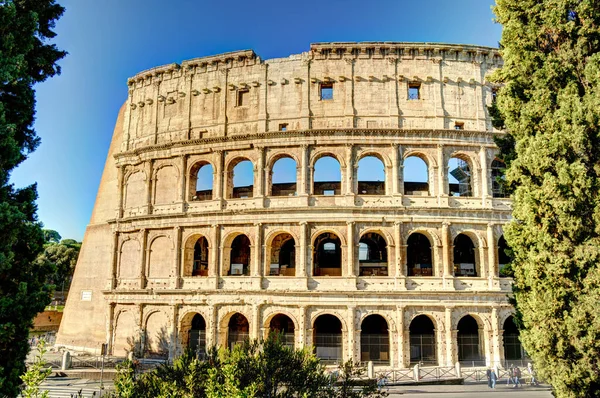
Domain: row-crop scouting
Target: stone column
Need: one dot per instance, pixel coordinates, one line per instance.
(442, 172)
(114, 260)
(213, 265)
(148, 168)
(349, 177)
(255, 328)
(143, 256)
(399, 264)
(173, 341)
(259, 187)
(183, 180)
(351, 343)
(211, 327)
(176, 271)
(400, 336)
(349, 111)
(485, 177)
(351, 268)
(121, 188)
(304, 179)
(305, 122)
(495, 339)
(450, 338)
(218, 174)
(256, 250)
(447, 267)
(300, 331)
(492, 249)
(110, 326)
(302, 265)
(395, 172)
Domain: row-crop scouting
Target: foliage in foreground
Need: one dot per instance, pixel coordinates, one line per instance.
(250, 370)
(550, 106)
(36, 374)
(24, 61)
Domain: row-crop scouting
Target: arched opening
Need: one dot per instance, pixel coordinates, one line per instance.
(419, 257)
(464, 256)
(422, 341)
(202, 181)
(327, 338)
(498, 168)
(459, 178)
(327, 177)
(512, 345)
(327, 255)
(372, 255)
(239, 262)
(371, 176)
(283, 256)
(469, 352)
(285, 326)
(200, 264)
(416, 176)
(237, 330)
(241, 183)
(196, 334)
(375, 340)
(283, 177)
(504, 256)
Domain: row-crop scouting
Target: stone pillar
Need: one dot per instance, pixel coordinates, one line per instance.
(395, 170)
(305, 122)
(451, 335)
(148, 168)
(351, 344)
(173, 341)
(259, 185)
(351, 246)
(447, 267)
(110, 326)
(442, 172)
(485, 177)
(349, 177)
(213, 265)
(255, 327)
(495, 339)
(400, 260)
(304, 179)
(302, 265)
(175, 281)
(256, 250)
(183, 180)
(211, 327)
(143, 256)
(349, 111)
(401, 363)
(492, 249)
(121, 188)
(300, 331)
(115, 260)
(218, 174)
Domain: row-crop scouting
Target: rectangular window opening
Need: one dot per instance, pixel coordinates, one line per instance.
(414, 91)
(242, 97)
(459, 126)
(326, 91)
(283, 127)
(329, 192)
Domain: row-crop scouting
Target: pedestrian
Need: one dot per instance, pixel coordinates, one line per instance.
(488, 373)
(517, 376)
(534, 380)
(493, 378)
(510, 375)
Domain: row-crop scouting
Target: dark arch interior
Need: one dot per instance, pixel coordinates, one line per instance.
(372, 255)
(240, 256)
(197, 334)
(468, 341)
(200, 266)
(327, 337)
(419, 258)
(374, 340)
(512, 344)
(464, 256)
(497, 177)
(422, 341)
(327, 255)
(504, 255)
(198, 322)
(238, 329)
(285, 326)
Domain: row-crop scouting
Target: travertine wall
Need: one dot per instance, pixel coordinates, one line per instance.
(134, 274)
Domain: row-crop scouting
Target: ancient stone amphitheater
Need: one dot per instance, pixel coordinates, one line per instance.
(383, 241)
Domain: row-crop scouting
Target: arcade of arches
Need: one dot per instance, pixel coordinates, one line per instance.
(382, 338)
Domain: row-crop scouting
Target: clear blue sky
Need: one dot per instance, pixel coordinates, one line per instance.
(111, 40)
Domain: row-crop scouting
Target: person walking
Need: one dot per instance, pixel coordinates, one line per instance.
(493, 378)
(510, 375)
(534, 380)
(488, 373)
(517, 377)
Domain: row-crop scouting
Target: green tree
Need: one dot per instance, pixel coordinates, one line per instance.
(36, 374)
(550, 105)
(62, 256)
(25, 59)
(51, 235)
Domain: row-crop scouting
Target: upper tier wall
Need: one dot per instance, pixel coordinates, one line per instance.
(238, 93)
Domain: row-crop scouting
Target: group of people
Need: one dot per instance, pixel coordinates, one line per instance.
(514, 376)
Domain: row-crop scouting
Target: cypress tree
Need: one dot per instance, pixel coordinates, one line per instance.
(24, 61)
(549, 104)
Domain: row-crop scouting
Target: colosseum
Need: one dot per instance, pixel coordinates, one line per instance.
(346, 196)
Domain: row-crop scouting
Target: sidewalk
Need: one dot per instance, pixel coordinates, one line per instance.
(470, 388)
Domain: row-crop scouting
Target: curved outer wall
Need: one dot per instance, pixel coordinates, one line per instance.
(133, 279)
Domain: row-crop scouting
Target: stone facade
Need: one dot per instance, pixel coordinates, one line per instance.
(139, 275)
